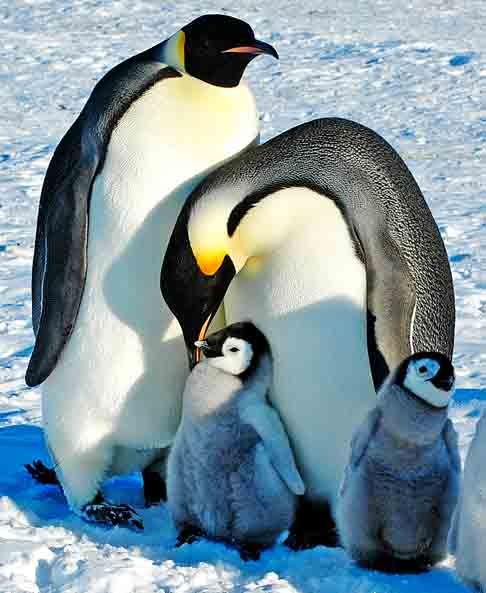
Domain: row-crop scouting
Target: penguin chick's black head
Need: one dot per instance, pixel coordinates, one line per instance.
(237, 349)
(429, 376)
(218, 48)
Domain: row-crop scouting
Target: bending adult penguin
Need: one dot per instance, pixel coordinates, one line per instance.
(322, 238)
(105, 343)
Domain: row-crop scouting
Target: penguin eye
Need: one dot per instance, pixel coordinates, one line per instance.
(422, 369)
(234, 349)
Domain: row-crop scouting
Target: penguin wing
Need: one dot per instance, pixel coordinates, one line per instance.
(391, 304)
(269, 427)
(59, 267)
(363, 436)
(452, 444)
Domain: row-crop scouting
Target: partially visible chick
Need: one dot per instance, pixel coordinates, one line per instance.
(231, 472)
(467, 539)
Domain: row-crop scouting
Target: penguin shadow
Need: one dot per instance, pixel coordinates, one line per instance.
(138, 303)
(46, 506)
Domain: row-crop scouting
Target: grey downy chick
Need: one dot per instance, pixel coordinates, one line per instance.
(231, 471)
(402, 481)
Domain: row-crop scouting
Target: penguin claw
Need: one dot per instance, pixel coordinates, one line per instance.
(121, 515)
(41, 473)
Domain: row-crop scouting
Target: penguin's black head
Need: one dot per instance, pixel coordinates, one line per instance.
(216, 49)
(237, 349)
(429, 376)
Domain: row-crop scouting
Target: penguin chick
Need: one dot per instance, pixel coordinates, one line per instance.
(231, 472)
(402, 481)
(467, 539)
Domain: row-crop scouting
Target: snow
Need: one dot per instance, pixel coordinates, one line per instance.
(415, 72)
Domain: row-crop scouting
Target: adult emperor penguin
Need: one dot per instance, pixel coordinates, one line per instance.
(105, 343)
(322, 238)
(402, 481)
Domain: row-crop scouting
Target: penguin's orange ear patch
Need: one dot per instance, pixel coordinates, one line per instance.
(180, 47)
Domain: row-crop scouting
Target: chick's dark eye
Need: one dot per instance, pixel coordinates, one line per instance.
(233, 349)
(422, 369)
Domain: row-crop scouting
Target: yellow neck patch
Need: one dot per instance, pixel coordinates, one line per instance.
(174, 51)
(180, 48)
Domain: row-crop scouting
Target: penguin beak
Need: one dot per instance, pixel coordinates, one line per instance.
(207, 350)
(444, 383)
(257, 48)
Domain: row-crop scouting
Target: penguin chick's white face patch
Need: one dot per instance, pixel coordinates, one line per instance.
(418, 380)
(237, 355)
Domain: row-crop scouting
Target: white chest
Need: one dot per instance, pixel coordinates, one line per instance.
(309, 297)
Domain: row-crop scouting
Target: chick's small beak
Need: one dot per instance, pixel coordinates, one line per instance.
(445, 383)
(257, 47)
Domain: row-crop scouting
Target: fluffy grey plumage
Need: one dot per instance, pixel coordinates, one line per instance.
(468, 535)
(401, 485)
(231, 472)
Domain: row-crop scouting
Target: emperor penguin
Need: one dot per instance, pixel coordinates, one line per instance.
(467, 539)
(108, 351)
(231, 472)
(323, 239)
(402, 481)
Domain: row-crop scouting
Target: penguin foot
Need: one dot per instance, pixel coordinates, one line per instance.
(100, 511)
(313, 526)
(391, 565)
(250, 551)
(42, 473)
(154, 488)
(188, 535)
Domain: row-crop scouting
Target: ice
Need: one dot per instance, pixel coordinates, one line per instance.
(415, 72)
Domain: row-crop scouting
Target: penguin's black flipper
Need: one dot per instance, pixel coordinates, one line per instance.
(59, 268)
(60, 255)
(41, 473)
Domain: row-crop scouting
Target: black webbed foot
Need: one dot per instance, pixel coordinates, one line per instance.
(154, 488)
(41, 473)
(188, 535)
(313, 526)
(101, 511)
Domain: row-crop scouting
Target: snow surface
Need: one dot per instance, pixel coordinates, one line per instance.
(414, 71)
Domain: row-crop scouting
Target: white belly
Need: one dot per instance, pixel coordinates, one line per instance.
(120, 376)
(309, 297)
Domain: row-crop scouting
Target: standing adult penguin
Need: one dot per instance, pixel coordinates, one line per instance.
(322, 238)
(105, 344)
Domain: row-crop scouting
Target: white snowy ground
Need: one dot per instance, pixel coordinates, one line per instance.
(414, 71)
